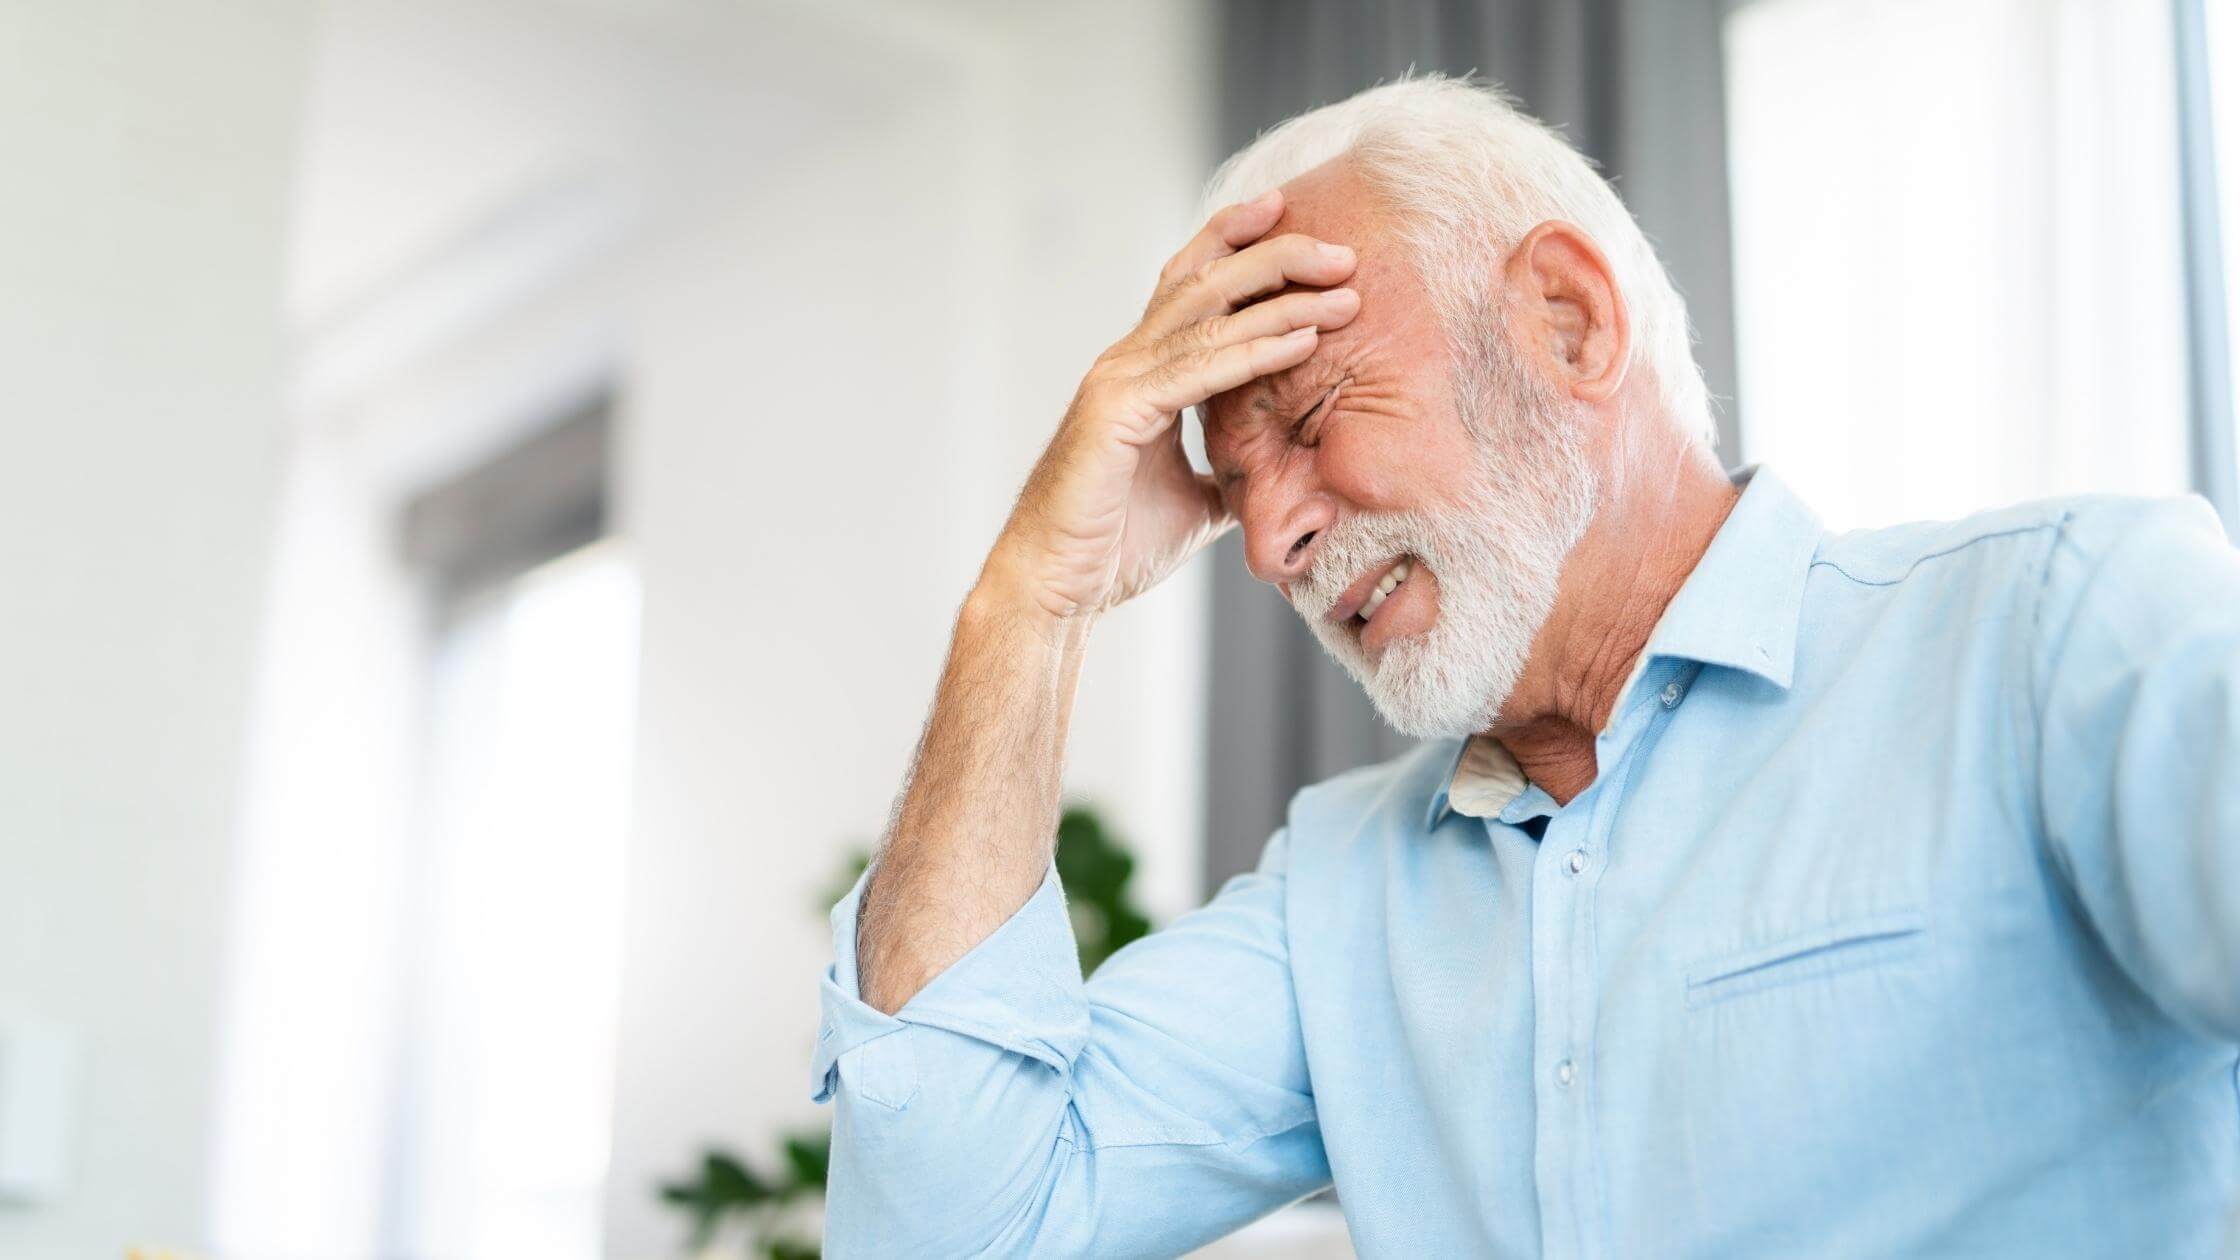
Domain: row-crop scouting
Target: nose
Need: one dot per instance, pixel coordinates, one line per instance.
(1280, 530)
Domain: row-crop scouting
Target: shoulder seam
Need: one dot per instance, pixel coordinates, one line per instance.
(1916, 562)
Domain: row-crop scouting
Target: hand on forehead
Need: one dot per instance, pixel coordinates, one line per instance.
(1329, 203)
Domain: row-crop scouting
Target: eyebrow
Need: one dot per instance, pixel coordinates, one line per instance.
(1278, 394)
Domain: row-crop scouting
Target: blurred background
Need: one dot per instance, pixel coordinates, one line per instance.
(487, 482)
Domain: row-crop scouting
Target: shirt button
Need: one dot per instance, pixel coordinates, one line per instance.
(1577, 861)
(1672, 693)
(1564, 1073)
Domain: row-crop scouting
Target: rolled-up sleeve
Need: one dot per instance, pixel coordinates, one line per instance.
(1009, 1108)
(2138, 680)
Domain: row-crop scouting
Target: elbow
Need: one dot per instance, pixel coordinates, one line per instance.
(946, 1173)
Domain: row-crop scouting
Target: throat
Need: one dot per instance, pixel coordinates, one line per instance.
(1557, 756)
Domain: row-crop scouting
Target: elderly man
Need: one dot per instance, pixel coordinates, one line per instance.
(1759, 891)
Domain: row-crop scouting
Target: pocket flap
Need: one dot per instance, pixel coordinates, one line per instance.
(1823, 951)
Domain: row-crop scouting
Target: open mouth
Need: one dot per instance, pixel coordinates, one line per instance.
(1357, 608)
(1390, 582)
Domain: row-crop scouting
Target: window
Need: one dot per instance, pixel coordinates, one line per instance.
(516, 921)
(512, 911)
(422, 1022)
(1959, 256)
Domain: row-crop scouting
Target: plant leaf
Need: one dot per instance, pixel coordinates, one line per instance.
(728, 1182)
(810, 1157)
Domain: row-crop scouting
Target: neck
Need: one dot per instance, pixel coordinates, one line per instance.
(1655, 522)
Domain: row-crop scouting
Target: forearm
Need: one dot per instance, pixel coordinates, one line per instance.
(972, 833)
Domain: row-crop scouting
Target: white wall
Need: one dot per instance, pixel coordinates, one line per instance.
(148, 147)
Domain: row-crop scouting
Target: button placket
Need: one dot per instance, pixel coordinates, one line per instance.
(1564, 1004)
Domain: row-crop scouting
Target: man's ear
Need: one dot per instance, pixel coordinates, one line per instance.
(1567, 311)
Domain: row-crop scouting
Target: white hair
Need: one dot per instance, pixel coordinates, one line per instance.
(1468, 175)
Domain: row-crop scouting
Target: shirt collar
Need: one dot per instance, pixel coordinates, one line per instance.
(1740, 608)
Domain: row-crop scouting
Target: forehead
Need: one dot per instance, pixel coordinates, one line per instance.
(1333, 203)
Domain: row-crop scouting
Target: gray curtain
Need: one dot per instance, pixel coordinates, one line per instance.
(1636, 85)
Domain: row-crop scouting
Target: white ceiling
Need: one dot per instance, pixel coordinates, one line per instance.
(436, 125)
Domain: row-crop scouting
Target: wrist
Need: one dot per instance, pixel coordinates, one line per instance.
(1006, 600)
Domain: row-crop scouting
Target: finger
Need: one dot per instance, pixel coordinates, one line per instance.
(1230, 229)
(1190, 379)
(1225, 284)
(1323, 308)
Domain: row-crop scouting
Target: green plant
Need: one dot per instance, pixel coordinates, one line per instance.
(726, 1188)
(1093, 867)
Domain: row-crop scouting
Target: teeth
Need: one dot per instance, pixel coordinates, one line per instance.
(1385, 586)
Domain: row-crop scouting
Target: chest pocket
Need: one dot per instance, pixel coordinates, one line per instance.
(1868, 941)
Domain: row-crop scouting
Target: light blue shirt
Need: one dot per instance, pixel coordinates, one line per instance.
(1902, 919)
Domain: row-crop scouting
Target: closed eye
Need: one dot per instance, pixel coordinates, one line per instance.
(1307, 429)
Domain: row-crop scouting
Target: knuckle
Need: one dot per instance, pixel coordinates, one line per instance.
(1181, 368)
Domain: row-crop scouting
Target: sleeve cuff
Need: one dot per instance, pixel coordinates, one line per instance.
(1018, 990)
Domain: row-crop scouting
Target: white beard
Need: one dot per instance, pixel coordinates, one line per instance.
(1498, 555)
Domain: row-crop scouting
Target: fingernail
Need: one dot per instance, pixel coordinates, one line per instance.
(1267, 197)
(1337, 253)
(1301, 334)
